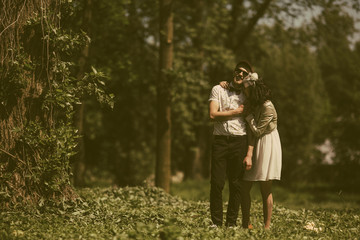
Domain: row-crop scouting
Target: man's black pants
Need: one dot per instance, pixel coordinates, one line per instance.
(228, 154)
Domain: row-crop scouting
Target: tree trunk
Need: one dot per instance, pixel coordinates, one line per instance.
(237, 6)
(163, 170)
(80, 166)
(192, 158)
(29, 167)
(79, 158)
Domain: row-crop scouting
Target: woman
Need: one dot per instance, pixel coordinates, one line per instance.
(262, 120)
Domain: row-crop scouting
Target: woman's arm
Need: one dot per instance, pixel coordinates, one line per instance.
(258, 128)
(216, 115)
(251, 143)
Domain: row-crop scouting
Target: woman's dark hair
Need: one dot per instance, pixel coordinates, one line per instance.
(259, 93)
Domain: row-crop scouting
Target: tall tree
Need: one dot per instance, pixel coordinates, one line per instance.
(79, 168)
(163, 153)
(339, 69)
(37, 96)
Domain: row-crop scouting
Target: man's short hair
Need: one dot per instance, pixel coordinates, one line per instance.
(244, 64)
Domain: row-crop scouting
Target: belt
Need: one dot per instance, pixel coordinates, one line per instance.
(229, 137)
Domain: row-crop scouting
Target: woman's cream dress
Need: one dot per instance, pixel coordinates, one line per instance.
(267, 157)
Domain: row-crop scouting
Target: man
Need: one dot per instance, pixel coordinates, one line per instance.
(231, 154)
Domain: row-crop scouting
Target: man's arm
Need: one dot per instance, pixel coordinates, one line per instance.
(216, 115)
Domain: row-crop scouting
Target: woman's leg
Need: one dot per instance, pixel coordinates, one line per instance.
(266, 193)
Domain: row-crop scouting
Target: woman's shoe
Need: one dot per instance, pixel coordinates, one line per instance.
(250, 226)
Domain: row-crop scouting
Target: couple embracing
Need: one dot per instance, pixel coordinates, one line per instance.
(246, 146)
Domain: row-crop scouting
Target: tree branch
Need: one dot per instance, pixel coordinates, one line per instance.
(15, 20)
(2, 150)
(252, 23)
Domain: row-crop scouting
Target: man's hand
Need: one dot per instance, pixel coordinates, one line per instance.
(239, 110)
(224, 84)
(247, 162)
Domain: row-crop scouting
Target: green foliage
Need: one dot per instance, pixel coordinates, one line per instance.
(93, 84)
(50, 150)
(13, 77)
(150, 213)
(66, 91)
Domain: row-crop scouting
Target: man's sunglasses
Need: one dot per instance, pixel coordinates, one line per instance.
(238, 71)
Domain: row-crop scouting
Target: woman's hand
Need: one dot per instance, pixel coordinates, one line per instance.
(247, 162)
(224, 84)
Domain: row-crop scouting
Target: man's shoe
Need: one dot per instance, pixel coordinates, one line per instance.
(214, 226)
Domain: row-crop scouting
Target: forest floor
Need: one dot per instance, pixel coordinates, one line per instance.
(296, 196)
(150, 213)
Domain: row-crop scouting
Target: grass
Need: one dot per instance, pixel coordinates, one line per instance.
(150, 213)
(308, 196)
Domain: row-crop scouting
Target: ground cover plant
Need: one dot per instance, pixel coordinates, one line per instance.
(150, 213)
(316, 195)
